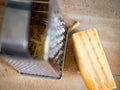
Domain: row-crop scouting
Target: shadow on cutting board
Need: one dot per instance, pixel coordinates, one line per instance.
(70, 62)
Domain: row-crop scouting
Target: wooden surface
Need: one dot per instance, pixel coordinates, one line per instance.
(101, 14)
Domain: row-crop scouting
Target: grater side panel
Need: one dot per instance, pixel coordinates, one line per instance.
(32, 67)
(57, 35)
(14, 40)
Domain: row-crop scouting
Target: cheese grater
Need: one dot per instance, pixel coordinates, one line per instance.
(21, 20)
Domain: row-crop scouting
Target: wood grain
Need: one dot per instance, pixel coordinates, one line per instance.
(101, 14)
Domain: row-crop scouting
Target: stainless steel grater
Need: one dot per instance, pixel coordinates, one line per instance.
(22, 15)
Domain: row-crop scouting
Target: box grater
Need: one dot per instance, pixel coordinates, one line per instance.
(31, 27)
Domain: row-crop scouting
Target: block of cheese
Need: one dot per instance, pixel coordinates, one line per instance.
(92, 61)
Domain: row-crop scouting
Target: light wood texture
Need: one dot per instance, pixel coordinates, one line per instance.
(91, 60)
(101, 14)
(75, 25)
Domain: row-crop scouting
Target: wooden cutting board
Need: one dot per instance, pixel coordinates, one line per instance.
(103, 15)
